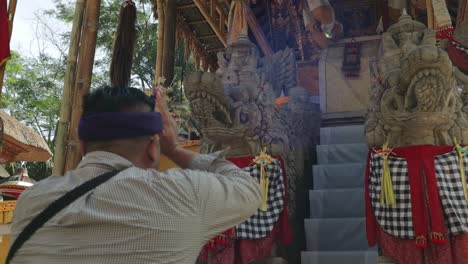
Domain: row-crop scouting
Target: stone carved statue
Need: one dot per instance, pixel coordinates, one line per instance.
(235, 108)
(415, 99)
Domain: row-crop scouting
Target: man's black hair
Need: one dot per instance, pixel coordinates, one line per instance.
(116, 99)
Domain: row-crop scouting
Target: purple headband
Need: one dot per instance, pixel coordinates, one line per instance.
(119, 125)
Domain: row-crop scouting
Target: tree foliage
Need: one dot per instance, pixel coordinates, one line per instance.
(33, 83)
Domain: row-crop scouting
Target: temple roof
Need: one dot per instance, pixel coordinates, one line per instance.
(281, 22)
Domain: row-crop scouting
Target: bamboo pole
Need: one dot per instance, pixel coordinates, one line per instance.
(67, 99)
(160, 47)
(83, 79)
(11, 16)
(258, 32)
(462, 13)
(430, 15)
(167, 67)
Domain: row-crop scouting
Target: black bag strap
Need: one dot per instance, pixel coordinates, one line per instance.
(54, 208)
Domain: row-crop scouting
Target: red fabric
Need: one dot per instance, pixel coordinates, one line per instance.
(4, 33)
(428, 218)
(458, 57)
(422, 178)
(220, 254)
(404, 252)
(248, 251)
(436, 211)
(242, 251)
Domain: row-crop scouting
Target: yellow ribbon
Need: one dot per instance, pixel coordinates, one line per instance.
(387, 196)
(263, 160)
(264, 183)
(461, 153)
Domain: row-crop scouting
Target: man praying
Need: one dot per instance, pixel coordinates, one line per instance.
(140, 215)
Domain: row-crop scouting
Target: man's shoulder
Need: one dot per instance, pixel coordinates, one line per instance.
(46, 187)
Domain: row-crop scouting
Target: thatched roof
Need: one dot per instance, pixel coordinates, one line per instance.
(21, 143)
(193, 28)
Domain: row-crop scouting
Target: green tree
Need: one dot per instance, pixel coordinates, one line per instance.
(144, 62)
(33, 84)
(31, 93)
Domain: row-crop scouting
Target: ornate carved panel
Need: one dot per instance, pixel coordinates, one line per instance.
(359, 18)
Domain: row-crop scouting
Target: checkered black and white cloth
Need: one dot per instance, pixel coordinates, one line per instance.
(261, 224)
(396, 220)
(451, 191)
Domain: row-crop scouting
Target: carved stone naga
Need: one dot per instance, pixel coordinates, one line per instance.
(415, 98)
(235, 108)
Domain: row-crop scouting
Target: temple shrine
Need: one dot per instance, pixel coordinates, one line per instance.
(353, 115)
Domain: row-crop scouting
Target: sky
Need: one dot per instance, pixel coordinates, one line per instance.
(24, 24)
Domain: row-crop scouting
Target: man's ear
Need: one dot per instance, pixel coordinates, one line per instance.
(152, 149)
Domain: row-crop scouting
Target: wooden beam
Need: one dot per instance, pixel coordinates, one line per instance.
(212, 8)
(219, 32)
(197, 22)
(430, 15)
(186, 6)
(462, 13)
(258, 32)
(222, 21)
(68, 85)
(207, 37)
(222, 17)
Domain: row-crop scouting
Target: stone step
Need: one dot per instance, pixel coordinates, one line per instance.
(336, 234)
(385, 260)
(337, 203)
(342, 153)
(334, 176)
(342, 135)
(339, 257)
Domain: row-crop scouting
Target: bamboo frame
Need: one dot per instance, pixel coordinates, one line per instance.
(211, 20)
(167, 66)
(192, 42)
(258, 32)
(430, 14)
(67, 99)
(160, 47)
(83, 79)
(462, 12)
(11, 16)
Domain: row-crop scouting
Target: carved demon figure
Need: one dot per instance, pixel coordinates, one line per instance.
(235, 108)
(415, 98)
